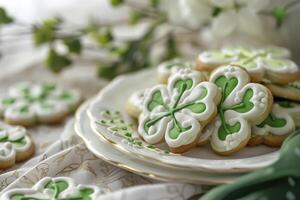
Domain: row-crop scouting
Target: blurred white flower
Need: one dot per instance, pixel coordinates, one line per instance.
(238, 16)
(190, 13)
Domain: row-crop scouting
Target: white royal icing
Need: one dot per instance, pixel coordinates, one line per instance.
(60, 101)
(136, 99)
(39, 190)
(279, 112)
(185, 117)
(8, 150)
(255, 60)
(259, 100)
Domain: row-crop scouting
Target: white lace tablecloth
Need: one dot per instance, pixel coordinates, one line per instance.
(68, 156)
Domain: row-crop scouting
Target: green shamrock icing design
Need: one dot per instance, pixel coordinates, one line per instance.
(13, 140)
(280, 180)
(113, 121)
(273, 121)
(256, 61)
(174, 112)
(31, 102)
(279, 122)
(61, 188)
(241, 103)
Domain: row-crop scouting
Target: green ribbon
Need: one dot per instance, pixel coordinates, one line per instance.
(280, 180)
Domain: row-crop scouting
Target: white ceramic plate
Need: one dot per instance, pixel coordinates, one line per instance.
(113, 98)
(106, 151)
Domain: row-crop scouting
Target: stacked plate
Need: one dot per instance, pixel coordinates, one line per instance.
(111, 134)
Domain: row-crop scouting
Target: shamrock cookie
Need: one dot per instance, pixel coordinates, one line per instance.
(60, 188)
(167, 68)
(290, 91)
(270, 63)
(134, 104)
(28, 104)
(292, 108)
(242, 104)
(176, 113)
(15, 145)
(274, 129)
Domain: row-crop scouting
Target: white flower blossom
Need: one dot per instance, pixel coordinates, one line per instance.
(191, 13)
(238, 15)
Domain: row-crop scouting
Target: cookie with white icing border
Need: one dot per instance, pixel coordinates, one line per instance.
(177, 113)
(271, 63)
(274, 129)
(15, 145)
(292, 108)
(167, 68)
(242, 104)
(58, 188)
(28, 103)
(134, 103)
(290, 91)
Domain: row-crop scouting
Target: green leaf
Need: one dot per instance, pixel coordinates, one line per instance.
(116, 2)
(154, 3)
(73, 44)
(107, 71)
(57, 62)
(279, 13)
(216, 11)
(102, 37)
(45, 33)
(4, 18)
(135, 17)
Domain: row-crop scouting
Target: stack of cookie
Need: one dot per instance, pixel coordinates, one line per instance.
(230, 98)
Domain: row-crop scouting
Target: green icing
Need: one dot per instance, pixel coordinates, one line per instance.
(66, 95)
(156, 100)
(285, 104)
(114, 123)
(57, 187)
(280, 180)
(273, 121)
(18, 142)
(24, 109)
(8, 101)
(247, 57)
(182, 85)
(218, 56)
(227, 86)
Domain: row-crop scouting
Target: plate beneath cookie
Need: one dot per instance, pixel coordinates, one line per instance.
(110, 121)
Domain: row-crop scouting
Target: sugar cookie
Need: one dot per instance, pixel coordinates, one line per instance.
(134, 104)
(274, 129)
(167, 68)
(59, 188)
(176, 113)
(28, 104)
(271, 63)
(242, 104)
(292, 108)
(15, 145)
(290, 91)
